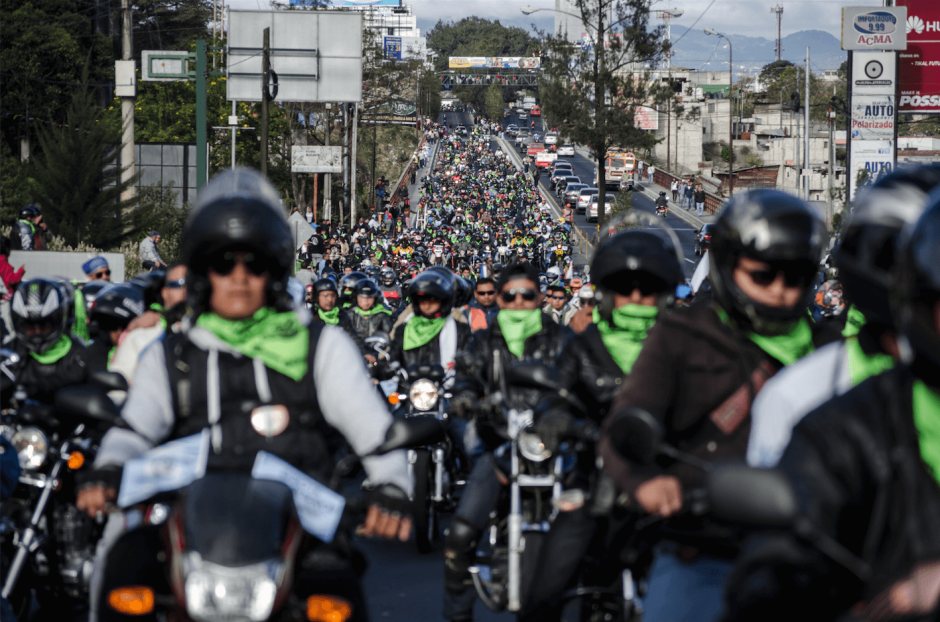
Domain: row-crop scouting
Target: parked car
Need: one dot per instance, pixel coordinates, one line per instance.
(585, 196)
(703, 239)
(592, 210)
(566, 151)
(571, 194)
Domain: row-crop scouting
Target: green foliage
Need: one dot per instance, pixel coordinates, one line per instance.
(753, 159)
(725, 154)
(158, 210)
(782, 79)
(170, 24)
(75, 179)
(620, 204)
(771, 72)
(14, 186)
(494, 102)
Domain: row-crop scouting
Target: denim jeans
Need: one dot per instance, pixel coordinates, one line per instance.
(699, 208)
(682, 591)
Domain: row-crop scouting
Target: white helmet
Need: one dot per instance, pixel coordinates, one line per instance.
(553, 273)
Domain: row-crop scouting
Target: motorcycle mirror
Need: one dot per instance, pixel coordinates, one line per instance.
(636, 434)
(8, 357)
(751, 497)
(410, 432)
(109, 380)
(379, 339)
(533, 376)
(87, 401)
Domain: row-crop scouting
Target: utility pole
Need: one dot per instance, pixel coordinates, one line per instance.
(127, 107)
(265, 72)
(832, 151)
(778, 46)
(327, 178)
(806, 180)
(202, 153)
(352, 165)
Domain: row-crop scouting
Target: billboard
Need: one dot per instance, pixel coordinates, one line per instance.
(406, 48)
(872, 117)
(874, 28)
(345, 3)
(316, 159)
(876, 157)
(873, 73)
(646, 118)
(494, 62)
(919, 65)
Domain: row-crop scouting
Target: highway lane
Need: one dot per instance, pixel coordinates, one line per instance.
(584, 168)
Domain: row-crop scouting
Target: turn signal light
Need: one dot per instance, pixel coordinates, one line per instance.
(76, 460)
(133, 601)
(328, 609)
(393, 399)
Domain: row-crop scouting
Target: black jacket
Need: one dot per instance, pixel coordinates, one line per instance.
(368, 325)
(429, 352)
(345, 322)
(856, 466)
(42, 381)
(586, 368)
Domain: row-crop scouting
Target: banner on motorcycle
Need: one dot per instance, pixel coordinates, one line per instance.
(172, 466)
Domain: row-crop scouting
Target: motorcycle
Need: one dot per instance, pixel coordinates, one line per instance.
(661, 211)
(48, 544)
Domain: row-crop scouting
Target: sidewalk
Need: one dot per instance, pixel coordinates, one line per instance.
(414, 190)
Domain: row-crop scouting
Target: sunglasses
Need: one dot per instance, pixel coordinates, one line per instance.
(177, 284)
(558, 297)
(224, 264)
(489, 292)
(102, 274)
(527, 294)
(795, 274)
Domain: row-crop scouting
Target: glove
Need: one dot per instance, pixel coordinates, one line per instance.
(554, 427)
(392, 499)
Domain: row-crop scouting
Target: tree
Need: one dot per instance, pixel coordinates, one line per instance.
(592, 92)
(771, 71)
(75, 177)
(494, 102)
(169, 24)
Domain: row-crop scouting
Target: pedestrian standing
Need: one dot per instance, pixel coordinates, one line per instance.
(688, 195)
(649, 173)
(675, 189)
(699, 199)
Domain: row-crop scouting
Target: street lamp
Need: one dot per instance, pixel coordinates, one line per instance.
(709, 31)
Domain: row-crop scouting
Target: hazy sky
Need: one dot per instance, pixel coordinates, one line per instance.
(740, 17)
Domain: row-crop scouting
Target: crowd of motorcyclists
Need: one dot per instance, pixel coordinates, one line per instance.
(249, 353)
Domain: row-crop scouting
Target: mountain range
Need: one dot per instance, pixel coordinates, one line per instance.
(696, 50)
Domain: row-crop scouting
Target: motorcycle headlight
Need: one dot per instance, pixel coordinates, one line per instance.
(531, 446)
(423, 394)
(217, 593)
(31, 446)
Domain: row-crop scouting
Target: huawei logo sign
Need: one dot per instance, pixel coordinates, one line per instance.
(914, 24)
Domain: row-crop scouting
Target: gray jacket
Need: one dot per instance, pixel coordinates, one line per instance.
(148, 251)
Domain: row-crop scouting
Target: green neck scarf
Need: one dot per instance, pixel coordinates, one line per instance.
(278, 339)
(80, 327)
(420, 330)
(788, 347)
(863, 366)
(330, 317)
(55, 352)
(517, 326)
(854, 321)
(376, 309)
(927, 421)
(623, 336)
(32, 227)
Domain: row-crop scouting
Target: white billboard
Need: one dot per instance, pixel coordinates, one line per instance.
(873, 117)
(876, 157)
(646, 118)
(316, 159)
(874, 73)
(874, 28)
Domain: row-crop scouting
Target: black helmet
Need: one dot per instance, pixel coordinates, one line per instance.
(434, 284)
(770, 226)
(238, 210)
(866, 254)
(30, 211)
(463, 291)
(350, 280)
(151, 284)
(662, 193)
(324, 285)
(91, 290)
(918, 293)
(631, 257)
(388, 276)
(368, 288)
(39, 303)
(115, 307)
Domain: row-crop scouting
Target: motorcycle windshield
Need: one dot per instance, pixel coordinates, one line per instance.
(234, 520)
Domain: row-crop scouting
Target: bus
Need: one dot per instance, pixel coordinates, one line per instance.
(535, 111)
(619, 169)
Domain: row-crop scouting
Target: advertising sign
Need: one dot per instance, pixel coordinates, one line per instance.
(873, 73)
(872, 117)
(876, 157)
(646, 118)
(393, 48)
(406, 48)
(316, 159)
(919, 65)
(874, 28)
(494, 62)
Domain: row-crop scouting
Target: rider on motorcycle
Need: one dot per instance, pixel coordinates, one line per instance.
(115, 307)
(698, 372)
(50, 358)
(662, 203)
(326, 310)
(242, 346)
(370, 315)
(866, 468)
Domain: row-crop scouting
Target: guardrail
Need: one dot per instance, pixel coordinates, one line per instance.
(393, 199)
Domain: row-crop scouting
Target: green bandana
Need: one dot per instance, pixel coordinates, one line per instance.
(863, 366)
(624, 337)
(927, 420)
(32, 227)
(55, 352)
(373, 311)
(278, 339)
(330, 317)
(853, 322)
(80, 326)
(517, 326)
(420, 330)
(788, 347)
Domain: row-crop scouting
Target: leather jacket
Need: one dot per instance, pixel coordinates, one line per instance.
(368, 325)
(856, 467)
(429, 352)
(345, 322)
(41, 381)
(586, 368)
